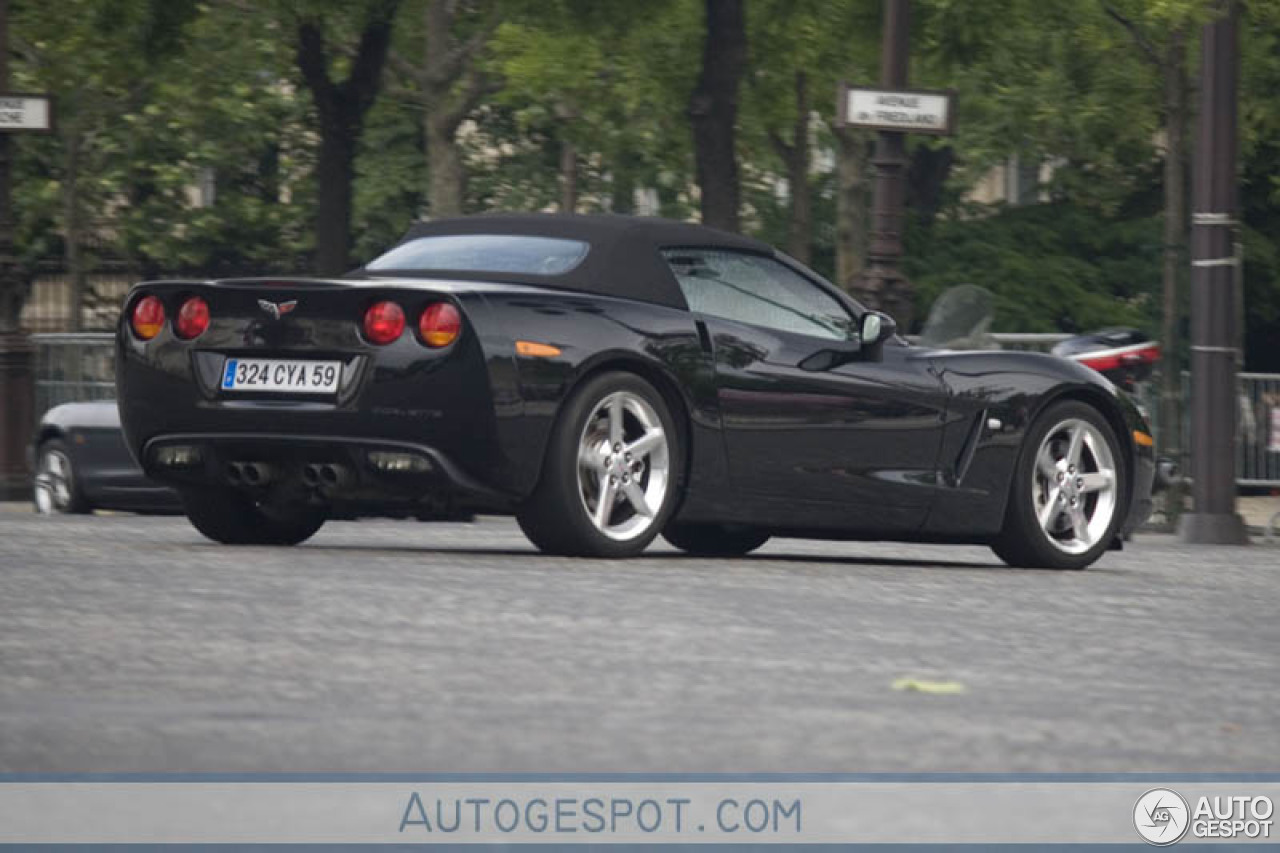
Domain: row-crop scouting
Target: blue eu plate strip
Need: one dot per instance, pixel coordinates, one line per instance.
(229, 374)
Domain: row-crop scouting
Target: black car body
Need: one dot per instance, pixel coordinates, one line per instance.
(784, 422)
(82, 464)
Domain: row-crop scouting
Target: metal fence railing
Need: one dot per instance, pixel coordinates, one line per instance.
(73, 367)
(1258, 447)
(1257, 425)
(1039, 341)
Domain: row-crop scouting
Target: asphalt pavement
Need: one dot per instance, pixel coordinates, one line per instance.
(132, 644)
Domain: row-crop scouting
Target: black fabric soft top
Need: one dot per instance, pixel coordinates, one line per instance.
(624, 259)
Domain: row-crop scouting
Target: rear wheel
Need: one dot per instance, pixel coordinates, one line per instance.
(57, 489)
(609, 479)
(1066, 501)
(714, 540)
(233, 518)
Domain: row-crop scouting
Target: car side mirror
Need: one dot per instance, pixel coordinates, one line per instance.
(874, 329)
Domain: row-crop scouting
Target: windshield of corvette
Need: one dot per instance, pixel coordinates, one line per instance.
(759, 291)
(497, 253)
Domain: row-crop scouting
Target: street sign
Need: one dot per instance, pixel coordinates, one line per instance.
(903, 110)
(25, 112)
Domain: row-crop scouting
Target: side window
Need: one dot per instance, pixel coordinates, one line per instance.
(757, 290)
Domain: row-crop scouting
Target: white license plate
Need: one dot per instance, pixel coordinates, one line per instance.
(281, 375)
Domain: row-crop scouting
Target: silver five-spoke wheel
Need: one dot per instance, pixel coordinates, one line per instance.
(624, 466)
(53, 485)
(1074, 486)
(57, 487)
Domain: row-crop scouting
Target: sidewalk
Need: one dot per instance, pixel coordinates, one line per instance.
(1258, 512)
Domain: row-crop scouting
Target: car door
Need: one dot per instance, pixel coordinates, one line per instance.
(812, 443)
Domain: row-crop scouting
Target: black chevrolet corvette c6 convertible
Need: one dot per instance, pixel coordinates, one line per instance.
(606, 379)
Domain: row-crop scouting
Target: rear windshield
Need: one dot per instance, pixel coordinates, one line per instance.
(499, 253)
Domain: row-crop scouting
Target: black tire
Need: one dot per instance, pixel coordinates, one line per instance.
(1023, 543)
(73, 502)
(232, 518)
(554, 517)
(714, 540)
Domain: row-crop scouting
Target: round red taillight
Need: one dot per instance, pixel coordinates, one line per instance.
(148, 317)
(193, 318)
(440, 324)
(383, 322)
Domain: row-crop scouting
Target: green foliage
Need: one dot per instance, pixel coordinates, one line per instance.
(593, 75)
(1051, 267)
(1048, 80)
(231, 117)
(153, 96)
(391, 178)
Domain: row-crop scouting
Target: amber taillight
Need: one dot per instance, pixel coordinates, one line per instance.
(440, 324)
(148, 317)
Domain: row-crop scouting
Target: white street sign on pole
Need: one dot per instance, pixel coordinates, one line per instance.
(906, 111)
(25, 112)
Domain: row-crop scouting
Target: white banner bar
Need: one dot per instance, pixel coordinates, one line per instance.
(562, 813)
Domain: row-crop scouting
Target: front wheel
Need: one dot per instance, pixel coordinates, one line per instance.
(232, 518)
(610, 475)
(1066, 502)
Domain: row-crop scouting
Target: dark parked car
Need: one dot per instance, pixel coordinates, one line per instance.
(606, 379)
(82, 464)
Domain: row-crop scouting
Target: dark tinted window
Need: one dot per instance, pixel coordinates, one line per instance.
(503, 253)
(757, 290)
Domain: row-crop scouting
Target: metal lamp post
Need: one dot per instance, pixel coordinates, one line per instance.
(1215, 322)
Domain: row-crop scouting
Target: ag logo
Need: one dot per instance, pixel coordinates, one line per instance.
(1161, 816)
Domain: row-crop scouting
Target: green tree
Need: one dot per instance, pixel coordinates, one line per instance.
(713, 109)
(446, 80)
(98, 59)
(800, 52)
(596, 97)
(220, 159)
(324, 32)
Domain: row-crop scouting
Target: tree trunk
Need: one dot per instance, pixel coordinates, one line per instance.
(13, 295)
(926, 178)
(1176, 87)
(622, 189)
(852, 154)
(73, 251)
(14, 285)
(568, 177)
(335, 171)
(446, 176)
(341, 108)
(800, 238)
(713, 109)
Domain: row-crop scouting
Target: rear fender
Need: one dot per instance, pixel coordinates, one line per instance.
(591, 334)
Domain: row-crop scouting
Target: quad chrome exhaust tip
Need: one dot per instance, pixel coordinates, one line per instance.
(325, 475)
(250, 473)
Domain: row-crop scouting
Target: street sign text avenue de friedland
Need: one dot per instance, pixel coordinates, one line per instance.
(907, 111)
(25, 112)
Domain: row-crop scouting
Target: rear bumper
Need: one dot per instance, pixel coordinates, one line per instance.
(290, 463)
